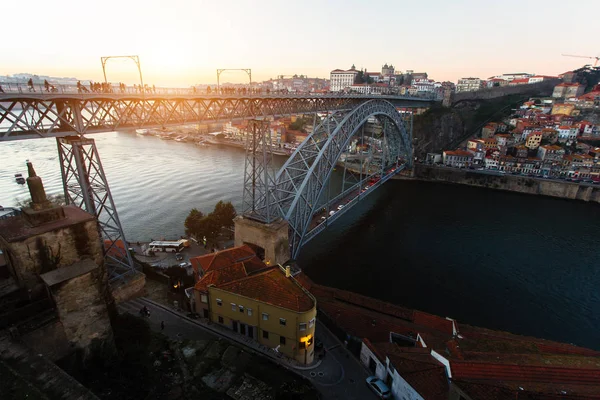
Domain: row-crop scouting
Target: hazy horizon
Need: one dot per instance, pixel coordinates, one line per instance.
(181, 43)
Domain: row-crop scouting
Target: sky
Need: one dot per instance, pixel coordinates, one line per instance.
(183, 42)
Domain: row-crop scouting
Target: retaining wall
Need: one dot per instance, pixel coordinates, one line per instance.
(512, 183)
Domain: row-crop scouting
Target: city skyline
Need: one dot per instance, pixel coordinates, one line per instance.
(185, 43)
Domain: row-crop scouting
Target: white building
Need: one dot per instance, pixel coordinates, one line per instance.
(424, 85)
(340, 79)
(468, 85)
(364, 88)
(515, 75)
(397, 369)
(491, 163)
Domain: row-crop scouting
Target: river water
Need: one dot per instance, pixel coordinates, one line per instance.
(525, 264)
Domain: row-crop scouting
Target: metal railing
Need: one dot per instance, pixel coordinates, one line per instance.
(115, 89)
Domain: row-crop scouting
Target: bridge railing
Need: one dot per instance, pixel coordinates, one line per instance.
(112, 88)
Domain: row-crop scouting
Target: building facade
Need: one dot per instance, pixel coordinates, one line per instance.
(458, 158)
(237, 290)
(340, 79)
(468, 85)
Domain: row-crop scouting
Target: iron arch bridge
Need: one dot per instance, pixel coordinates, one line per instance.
(25, 115)
(370, 143)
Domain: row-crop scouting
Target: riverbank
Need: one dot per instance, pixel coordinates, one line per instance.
(510, 183)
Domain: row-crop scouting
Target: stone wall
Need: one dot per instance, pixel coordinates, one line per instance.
(41, 373)
(273, 238)
(513, 183)
(133, 286)
(82, 309)
(55, 249)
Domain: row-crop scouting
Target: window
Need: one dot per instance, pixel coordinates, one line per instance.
(265, 335)
(233, 307)
(282, 321)
(265, 316)
(282, 340)
(241, 309)
(219, 302)
(220, 320)
(311, 323)
(303, 326)
(204, 298)
(249, 311)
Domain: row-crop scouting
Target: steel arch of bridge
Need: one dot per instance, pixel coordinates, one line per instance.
(300, 182)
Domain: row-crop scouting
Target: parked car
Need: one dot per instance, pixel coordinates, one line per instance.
(178, 257)
(380, 388)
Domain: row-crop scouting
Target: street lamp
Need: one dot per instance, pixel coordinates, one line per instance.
(136, 60)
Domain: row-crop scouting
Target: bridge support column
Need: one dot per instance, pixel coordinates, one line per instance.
(86, 187)
(272, 240)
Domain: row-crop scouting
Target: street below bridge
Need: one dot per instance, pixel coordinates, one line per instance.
(339, 375)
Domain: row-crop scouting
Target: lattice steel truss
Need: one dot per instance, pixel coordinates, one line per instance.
(258, 175)
(34, 115)
(300, 182)
(86, 187)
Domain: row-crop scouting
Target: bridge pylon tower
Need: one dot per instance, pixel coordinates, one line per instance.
(258, 174)
(85, 186)
(260, 224)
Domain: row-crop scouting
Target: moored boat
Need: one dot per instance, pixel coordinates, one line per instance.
(19, 179)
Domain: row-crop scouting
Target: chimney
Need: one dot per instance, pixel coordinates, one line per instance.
(287, 271)
(41, 210)
(36, 189)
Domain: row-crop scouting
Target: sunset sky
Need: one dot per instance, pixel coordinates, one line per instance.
(183, 42)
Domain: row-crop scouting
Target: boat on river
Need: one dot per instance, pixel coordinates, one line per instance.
(19, 179)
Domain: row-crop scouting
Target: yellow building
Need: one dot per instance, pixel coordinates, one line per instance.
(534, 140)
(236, 289)
(560, 108)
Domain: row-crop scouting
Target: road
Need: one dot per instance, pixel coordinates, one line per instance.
(338, 376)
(498, 173)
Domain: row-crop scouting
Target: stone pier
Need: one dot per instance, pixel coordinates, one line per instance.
(271, 238)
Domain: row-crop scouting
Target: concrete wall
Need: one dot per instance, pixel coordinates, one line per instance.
(512, 183)
(540, 89)
(366, 355)
(401, 390)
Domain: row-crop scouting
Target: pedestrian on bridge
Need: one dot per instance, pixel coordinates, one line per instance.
(1, 90)
(30, 85)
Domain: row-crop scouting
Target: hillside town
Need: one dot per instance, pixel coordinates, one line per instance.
(548, 137)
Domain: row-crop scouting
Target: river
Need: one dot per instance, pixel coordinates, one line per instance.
(525, 264)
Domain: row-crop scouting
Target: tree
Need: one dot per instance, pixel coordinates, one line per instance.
(588, 76)
(362, 77)
(224, 213)
(193, 222)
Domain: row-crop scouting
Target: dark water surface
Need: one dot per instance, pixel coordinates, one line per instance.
(525, 264)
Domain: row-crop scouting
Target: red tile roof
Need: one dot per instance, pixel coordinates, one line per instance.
(272, 287)
(225, 266)
(418, 368)
(463, 153)
(501, 361)
(239, 270)
(524, 373)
